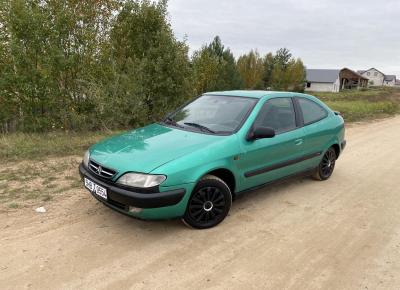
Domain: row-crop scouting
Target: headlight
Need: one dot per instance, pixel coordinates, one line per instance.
(141, 180)
(86, 159)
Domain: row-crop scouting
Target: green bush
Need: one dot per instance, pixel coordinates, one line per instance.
(109, 64)
(79, 65)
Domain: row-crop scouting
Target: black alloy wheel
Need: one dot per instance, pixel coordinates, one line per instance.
(327, 165)
(209, 203)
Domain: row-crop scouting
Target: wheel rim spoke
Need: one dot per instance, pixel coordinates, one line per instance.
(196, 213)
(203, 196)
(212, 214)
(212, 196)
(328, 163)
(207, 216)
(199, 218)
(217, 210)
(219, 198)
(221, 204)
(207, 205)
(208, 190)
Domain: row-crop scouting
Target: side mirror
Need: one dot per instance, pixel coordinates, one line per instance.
(260, 133)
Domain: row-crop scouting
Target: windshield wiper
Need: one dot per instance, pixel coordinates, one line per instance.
(170, 121)
(201, 127)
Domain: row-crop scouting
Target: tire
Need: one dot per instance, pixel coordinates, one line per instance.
(209, 203)
(326, 166)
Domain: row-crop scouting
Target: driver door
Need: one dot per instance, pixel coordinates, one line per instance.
(268, 159)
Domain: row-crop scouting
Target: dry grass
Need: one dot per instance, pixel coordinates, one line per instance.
(364, 104)
(29, 183)
(22, 146)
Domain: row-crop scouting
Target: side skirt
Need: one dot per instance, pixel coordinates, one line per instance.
(304, 173)
(281, 165)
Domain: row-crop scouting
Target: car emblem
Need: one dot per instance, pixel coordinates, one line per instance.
(99, 170)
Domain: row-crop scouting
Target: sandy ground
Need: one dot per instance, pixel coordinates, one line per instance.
(343, 233)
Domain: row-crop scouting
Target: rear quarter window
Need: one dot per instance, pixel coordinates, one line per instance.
(312, 112)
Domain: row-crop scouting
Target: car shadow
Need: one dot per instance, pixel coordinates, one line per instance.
(271, 188)
(161, 228)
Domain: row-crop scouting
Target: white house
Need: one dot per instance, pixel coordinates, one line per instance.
(378, 78)
(333, 80)
(322, 80)
(390, 80)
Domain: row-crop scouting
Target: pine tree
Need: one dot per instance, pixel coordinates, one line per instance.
(214, 68)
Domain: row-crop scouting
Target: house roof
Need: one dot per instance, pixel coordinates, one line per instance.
(322, 75)
(390, 78)
(356, 74)
(363, 71)
(386, 77)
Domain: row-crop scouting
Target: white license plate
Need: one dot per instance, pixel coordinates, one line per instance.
(97, 189)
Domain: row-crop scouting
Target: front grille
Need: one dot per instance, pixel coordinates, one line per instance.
(101, 170)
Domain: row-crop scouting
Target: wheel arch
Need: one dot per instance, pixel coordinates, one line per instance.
(336, 147)
(333, 143)
(226, 175)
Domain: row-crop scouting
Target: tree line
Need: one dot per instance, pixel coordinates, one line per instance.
(110, 64)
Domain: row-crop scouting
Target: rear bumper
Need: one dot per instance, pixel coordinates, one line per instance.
(120, 199)
(343, 145)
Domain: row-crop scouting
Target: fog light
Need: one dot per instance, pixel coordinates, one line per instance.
(133, 209)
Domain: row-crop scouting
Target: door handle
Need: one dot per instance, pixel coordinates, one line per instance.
(298, 141)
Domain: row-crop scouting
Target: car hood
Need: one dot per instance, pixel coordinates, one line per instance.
(145, 149)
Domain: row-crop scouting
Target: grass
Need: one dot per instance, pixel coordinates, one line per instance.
(361, 110)
(21, 146)
(372, 94)
(359, 105)
(13, 205)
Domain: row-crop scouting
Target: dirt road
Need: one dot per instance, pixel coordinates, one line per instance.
(340, 234)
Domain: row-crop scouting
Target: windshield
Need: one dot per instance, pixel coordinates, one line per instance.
(214, 114)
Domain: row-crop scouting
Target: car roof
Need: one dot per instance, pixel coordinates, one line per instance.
(252, 94)
(264, 95)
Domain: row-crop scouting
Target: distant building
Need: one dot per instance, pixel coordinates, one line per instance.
(378, 78)
(390, 80)
(333, 80)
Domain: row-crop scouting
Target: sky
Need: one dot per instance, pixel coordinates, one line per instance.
(323, 33)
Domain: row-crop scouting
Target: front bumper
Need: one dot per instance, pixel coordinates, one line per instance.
(120, 199)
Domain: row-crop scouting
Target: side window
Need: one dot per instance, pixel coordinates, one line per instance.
(277, 114)
(312, 112)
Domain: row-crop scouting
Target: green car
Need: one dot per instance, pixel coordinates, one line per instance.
(199, 158)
